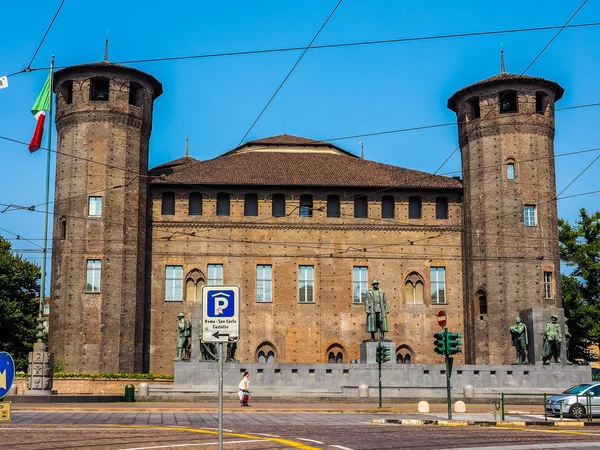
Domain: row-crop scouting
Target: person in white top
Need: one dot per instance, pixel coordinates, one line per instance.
(244, 389)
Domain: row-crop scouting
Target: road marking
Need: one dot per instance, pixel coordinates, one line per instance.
(309, 440)
(532, 446)
(216, 429)
(287, 442)
(268, 435)
(194, 445)
(535, 430)
(340, 447)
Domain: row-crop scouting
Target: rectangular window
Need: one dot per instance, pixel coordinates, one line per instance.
(333, 206)
(251, 205)
(306, 284)
(529, 216)
(195, 204)
(441, 208)
(548, 292)
(388, 206)
(94, 206)
(508, 102)
(167, 207)
(438, 285)
(414, 207)
(263, 283)
(92, 278)
(174, 283)
(215, 275)
(306, 205)
(223, 204)
(510, 171)
(278, 205)
(360, 276)
(361, 207)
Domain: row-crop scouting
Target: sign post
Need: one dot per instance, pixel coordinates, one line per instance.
(220, 325)
(7, 377)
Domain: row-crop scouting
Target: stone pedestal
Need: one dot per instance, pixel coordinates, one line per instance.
(535, 319)
(40, 371)
(368, 352)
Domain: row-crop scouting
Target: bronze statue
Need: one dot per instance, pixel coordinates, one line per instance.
(552, 341)
(184, 332)
(567, 341)
(231, 348)
(520, 341)
(376, 307)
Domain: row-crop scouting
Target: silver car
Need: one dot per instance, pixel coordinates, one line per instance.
(576, 401)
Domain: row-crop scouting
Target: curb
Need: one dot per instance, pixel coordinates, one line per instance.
(499, 424)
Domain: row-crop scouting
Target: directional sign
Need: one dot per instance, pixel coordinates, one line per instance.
(220, 314)
(7, 373)
(441, 315)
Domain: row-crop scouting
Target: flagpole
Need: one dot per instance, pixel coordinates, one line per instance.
(40, 327)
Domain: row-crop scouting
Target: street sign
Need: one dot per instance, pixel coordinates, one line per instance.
(441, 315)
(220, 314)
(5, 415)
(7, 373)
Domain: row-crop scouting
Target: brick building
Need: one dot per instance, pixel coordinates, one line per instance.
(302, 226)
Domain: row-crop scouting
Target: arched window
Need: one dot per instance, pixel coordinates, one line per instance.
(404, 354)
(265, 353)
(278, 205)
(195, 204)
(335, 354)
(99, 89)
(63, 228)
(541, 102)
(361, 207)
(441, 208)
(407, 359)
(251, 205)
(333, 206)
(223, 204)
(413, 289)
(135, 94)
(510, 169)
(481, 302)
(508, 102)
(306, 205)
(168, 204)
(66, 90)
(194, 281)
(475, 111)
(388, 205)
(414, 207)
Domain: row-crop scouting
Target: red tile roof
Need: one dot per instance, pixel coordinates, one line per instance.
(286, 140)
(309, 168)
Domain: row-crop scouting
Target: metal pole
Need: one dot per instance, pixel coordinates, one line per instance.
(220, 395)
(448, 393)
(545, 410)
(379, 345)
(502, 409)
(40, 327)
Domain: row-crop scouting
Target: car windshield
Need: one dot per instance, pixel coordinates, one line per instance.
(579, 389)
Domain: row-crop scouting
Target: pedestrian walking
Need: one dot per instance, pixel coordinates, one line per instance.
(244, 389)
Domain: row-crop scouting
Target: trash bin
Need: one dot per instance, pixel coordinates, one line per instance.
(129, 393)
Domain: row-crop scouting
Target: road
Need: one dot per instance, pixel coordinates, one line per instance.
(258, 431)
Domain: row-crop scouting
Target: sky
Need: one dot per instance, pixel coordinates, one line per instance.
(332, 93)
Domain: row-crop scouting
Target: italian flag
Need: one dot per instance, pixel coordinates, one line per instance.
(41, 105)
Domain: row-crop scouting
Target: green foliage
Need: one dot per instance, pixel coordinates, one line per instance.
(109, 376)
(580, 249)
(18, 309)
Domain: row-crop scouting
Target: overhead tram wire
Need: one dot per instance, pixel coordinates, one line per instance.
(290, 72)
(338, 45)
(476, 127)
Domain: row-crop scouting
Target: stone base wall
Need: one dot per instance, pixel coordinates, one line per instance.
(89, 385)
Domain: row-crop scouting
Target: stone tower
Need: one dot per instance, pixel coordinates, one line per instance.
(510, 238)
(104, 121)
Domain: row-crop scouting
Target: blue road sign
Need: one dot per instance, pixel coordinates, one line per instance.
(220, 313)
(7, 373)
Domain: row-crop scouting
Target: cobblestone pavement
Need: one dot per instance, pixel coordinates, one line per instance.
(257, 431)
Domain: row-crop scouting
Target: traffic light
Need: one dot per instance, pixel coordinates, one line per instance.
(378, 353)
(385, 354)
(440, 343)
(452, 343)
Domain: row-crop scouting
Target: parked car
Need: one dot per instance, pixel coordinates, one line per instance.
(575, 401)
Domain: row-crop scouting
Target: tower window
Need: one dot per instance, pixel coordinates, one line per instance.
(510, 170)
(540, 102)
(306, 284)
(333, 206)
(174, 283)
(63, 228)
(548, 291)
(195, 204)
(306, 205)
(529, 216)
(475, 111)
(414, 207)
(94, 206)
(223, 204)
(278, 205)
(99, 89)
(508, 102)
(388, 206)
(264, 286)
(215, 275)
(438, 285)
(361, 207)
(360, 275)
(482, 304)
(92, 276)
(135, 91)
(168, 204)
(67, 92)
(441, 208)
(251, 205)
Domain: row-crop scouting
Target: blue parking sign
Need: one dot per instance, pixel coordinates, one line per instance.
(220, 314)
(221, 303)
(7, 373)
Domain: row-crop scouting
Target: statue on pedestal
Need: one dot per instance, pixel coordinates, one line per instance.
(208, 351)
(552, 341)
(567, 341)
(184, 333)
(376, 307)
(520, 341)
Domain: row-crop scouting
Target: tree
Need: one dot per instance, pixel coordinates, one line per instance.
(18, 308)
(580, 248)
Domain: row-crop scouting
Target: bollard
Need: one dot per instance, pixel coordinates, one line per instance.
(423, 407)
(129, 393)
(363, 390)
(143, 389)
(469, 391)
(460, 407)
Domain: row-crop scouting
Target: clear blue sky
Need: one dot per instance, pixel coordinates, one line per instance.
(332, 93)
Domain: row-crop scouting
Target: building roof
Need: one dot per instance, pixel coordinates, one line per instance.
(286, 140)
(506, 77)
(294, 165)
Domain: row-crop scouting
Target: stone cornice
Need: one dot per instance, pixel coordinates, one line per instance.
(68, 120)
(494, 128)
